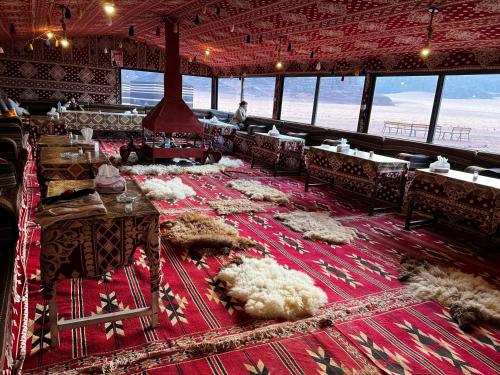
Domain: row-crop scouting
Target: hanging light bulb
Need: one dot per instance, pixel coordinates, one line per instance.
(318, 65)
(278, 65)
(207, 52)
(217, 11)
(64, 42)
(109, 8)
(190, 59)
(197, 20)
(79, 12)
(425, 51)
(57, 43)
(47, 42)
(131, 31)
(176, 28)
(311, 56)
(120, 45)
(30, 46)
(232, 28)
(158, 31)
(194, 58)
(109, 21)
(12, 29)
(247, 38)
(204, 9)
(49, 34)
(67, 13)
(289, 47)
(105, 50)
(1, 51)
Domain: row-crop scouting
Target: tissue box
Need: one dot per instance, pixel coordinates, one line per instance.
(109, 185)
(438, 167)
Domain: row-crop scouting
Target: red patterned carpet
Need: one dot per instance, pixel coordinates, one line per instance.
(371, 324)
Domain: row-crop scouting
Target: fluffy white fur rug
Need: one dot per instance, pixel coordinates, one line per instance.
(317, 226)
(156, 189)
(160, 169)
(469, 297)
(272, 291)
(234, 206)
(256, 191)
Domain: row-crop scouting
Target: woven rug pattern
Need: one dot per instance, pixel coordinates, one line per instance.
(371, 323)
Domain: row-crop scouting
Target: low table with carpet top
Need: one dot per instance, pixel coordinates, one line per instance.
(91, 247)
(61, 141)
(378, 176)
(457, 196)
(77, 120)
(220, 134)
(279, 150)
(52, 166)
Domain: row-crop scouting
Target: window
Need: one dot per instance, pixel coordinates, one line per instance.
(259, 93)
(469, 115)
(229, 94)
(402, 107)
(339, 101)
(197, 91)
(140, 87)
(298, 99)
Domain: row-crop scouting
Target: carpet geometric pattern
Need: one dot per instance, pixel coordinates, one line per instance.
(371, 324)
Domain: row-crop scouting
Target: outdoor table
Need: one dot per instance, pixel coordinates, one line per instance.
(456, 195)
(279, 150)
(52, 166)
(377, 176)
(91, 247)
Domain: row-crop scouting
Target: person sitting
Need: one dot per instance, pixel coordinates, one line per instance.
(72, 105)
(16, 106)
(240, 116)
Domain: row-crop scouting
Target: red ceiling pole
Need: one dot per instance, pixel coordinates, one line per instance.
(173, 78)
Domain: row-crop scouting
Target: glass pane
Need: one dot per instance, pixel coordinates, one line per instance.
(339, 102)
(259, 93)
(469, 116)
(229, 94)
(197, 91)
(402, 107)
(140, 87)
(298, 99)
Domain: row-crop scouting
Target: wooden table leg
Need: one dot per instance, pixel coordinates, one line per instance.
(409, 214)
(54, 328)
(155, 297)
(374, 198)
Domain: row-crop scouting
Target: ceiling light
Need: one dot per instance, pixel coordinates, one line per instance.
(57, 43)
(427, 49)
(207, 52)
(49, 34)
(279, 65)
(425, 52)
(64, 42)
(109, 8)
(30, 46)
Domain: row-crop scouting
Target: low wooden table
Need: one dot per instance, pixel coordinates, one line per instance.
(457, 196)
(91, 247)
(51, 166)
(47, 140)
(220, 134)
(77, 120)
(379, 177)
(280, 151)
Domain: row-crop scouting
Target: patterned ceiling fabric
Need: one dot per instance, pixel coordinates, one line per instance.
(335, 31)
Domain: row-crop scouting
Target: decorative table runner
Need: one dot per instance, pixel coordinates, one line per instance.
(91, 247)
(282, 150)
(77, 120)
(457, 196)
(379, 177)
(51, 166)
(220, 135)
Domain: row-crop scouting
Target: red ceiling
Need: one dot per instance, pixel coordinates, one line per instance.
(332, 29)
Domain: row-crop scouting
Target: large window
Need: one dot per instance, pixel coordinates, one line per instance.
(197, 91)
(402, 107)
(298, 99)
(339, 101)
(140, 87)
(469, 115)
(259, 93)
(229, 94)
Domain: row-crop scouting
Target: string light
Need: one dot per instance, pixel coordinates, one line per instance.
(109, 8)
(427, 48)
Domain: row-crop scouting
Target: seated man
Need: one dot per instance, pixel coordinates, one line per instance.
(240, 116)
(72, 105)
(16, 106)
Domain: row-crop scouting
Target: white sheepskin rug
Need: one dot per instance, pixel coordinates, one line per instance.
(230, 163)
(470, 298)
(234, 206)
(156, 189)
(271, 291)
(160, 169)
(317, 226)
(256, 191)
